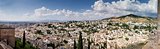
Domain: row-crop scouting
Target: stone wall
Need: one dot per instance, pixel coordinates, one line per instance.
(7, 35)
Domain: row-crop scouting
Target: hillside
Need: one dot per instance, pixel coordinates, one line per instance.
(132, 18)
(124, 31)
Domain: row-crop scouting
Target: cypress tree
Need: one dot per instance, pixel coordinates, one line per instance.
(24, 39)
(53, 45)
(89, 43)
(75, 44)
(80, 42)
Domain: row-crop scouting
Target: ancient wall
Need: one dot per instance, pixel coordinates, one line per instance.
(7, 35)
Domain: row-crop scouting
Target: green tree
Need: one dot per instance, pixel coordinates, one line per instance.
(80, 41)
(125, 26)
(39, 32)
(24, 39)
(51, 45)
(19, 45)
(49, 25)
(89, 43)
(75, 44)
(48, 32)
(135, 27)
(109, 23)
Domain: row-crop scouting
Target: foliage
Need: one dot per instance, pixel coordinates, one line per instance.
(75, 44)
(89, 43)
(49, 25)
(24, 39)
(19, 45)
(127, 38)
(51, 45)
(39, 32)
(80, 41)
(48, 32)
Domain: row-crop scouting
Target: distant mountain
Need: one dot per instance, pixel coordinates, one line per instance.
(134, 16)
(130, 15)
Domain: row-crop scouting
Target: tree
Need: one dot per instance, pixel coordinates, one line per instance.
(80, 41)
(135, 27)
(48, 32)
(127, 38)
(24, 39)
(75, 44)
(125, 26)
(51, 45)
(39, 32)
(109, 23)
(89, 43)
(19, 45)
(49, 25)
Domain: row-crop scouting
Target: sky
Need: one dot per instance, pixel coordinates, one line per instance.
(64, 10)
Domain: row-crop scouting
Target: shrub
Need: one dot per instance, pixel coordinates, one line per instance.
(19, 45)
(127, 38)
(39, 32)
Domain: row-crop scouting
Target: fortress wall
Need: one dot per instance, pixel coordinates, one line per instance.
(7, 35)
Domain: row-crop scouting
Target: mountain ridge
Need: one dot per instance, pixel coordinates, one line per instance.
(129, 15)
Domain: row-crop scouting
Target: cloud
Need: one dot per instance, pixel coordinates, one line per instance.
(126, 7)
(99, 10)
(4, 16)
(44, 13)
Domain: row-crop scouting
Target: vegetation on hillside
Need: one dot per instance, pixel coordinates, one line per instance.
(19, 45)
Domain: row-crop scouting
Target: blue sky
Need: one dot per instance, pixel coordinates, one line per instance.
(29, 5)
(11, 10)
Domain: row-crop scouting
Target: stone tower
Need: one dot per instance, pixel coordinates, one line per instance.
(7, 35)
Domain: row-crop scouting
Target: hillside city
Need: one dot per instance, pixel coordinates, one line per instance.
(124, 32)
